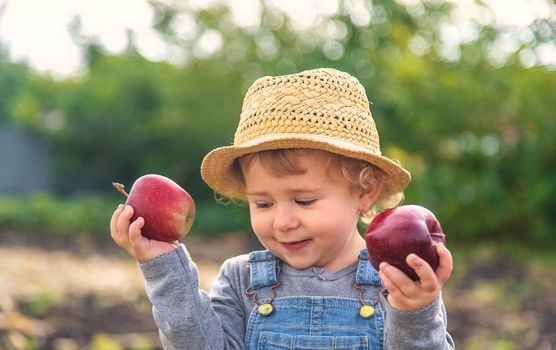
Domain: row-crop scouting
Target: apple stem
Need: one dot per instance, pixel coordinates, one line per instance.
(120, 188)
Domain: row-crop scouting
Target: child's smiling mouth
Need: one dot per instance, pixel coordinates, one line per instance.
(296, 245)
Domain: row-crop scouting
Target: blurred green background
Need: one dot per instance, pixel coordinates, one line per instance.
(468, 109)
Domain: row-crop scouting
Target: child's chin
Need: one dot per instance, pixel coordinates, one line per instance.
(300, 264)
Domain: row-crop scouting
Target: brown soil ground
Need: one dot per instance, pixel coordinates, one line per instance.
(63, 294)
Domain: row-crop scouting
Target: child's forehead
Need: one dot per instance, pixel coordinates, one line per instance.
(296, 162)
(295, 158)
(297, 153)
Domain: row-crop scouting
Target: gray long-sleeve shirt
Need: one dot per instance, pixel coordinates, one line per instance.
(190, 318)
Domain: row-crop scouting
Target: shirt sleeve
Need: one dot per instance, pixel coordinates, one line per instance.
(186, 316)
(420, 329)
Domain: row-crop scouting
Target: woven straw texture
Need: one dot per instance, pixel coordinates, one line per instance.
(319, 109)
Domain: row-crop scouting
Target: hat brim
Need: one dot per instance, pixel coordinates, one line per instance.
(217, 166)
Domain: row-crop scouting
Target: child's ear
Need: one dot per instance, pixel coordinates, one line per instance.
(368, 197)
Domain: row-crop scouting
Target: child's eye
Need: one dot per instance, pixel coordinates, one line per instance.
(305, 202)
(262, 204)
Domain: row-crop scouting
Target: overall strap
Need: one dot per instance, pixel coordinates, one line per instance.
(366, 274)
(263, 267)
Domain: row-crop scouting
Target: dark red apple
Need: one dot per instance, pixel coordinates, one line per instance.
(168, 210)
(397, 232)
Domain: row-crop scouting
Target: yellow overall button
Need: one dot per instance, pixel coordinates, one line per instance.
(366, 311)
(265, 309)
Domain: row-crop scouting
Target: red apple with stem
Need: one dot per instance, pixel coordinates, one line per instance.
(168, 210)
(397, 232)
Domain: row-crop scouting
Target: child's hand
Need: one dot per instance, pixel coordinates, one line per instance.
(408, 295)
(128, 236)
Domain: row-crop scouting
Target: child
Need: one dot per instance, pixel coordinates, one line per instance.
(306, 158)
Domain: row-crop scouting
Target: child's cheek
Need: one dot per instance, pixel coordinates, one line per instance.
(260, 224)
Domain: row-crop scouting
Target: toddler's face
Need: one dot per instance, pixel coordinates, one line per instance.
(308, 219)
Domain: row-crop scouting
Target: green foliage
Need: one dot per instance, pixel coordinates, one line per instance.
(476, 134)
(214, 218)
(13, 78)
(46, 213)
(90, 214)
(129, 117)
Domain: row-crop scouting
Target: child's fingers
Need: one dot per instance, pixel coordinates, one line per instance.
(135, 237)
(114, 222)
(394, 280)
(445, 264)
(428, 280)
(124, 220)
(396, 296)
(387, 283)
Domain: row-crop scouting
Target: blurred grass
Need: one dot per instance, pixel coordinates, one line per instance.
(500, 296)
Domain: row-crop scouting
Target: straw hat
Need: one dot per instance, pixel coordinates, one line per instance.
(321, 109)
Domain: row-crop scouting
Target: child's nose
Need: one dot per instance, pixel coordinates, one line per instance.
(285, 218)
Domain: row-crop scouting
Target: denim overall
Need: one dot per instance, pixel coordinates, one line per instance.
(312, 322)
